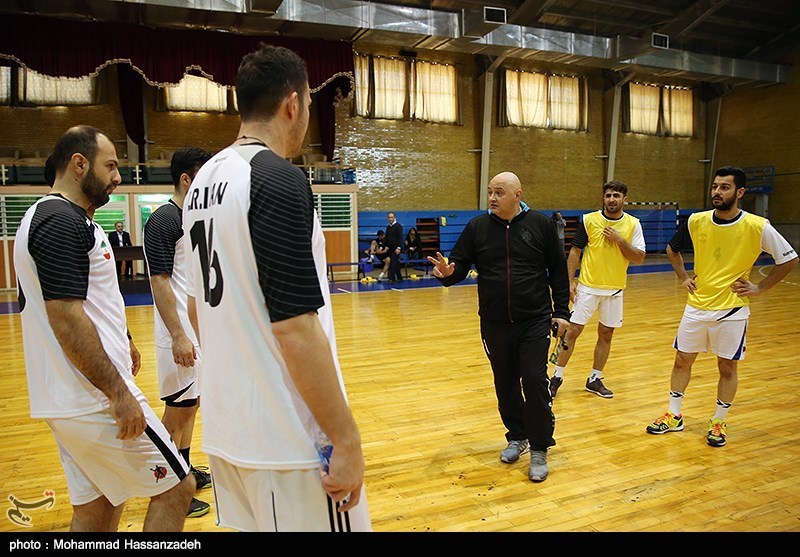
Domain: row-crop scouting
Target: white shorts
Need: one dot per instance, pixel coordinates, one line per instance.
(610, 308)
(173, 379)
(727, 339)
(96, 463)
(253, 500)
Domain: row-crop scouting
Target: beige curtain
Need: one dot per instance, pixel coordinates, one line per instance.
(362, 84)
(526, 99)
(565, 102)
(390, 87)
(644, 102)
(35, 88)
(678, 111)
(5, 84)
(435, 92)
(197, 94)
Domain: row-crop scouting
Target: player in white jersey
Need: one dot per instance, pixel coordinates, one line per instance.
(79, 357)
(609, 240)
(177, 350)
(727, 242)
(257, 287)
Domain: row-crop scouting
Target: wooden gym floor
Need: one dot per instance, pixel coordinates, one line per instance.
(421, 390)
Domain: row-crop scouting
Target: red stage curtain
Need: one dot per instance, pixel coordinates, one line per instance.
(72, 48)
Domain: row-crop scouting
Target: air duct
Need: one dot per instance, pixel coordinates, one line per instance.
(477, 23)
(475, 31)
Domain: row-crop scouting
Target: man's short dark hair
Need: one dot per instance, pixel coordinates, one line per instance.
(78, 139)
(266, 77)
(188, 160)
(615, 185)
(739, 177)
(49, 171)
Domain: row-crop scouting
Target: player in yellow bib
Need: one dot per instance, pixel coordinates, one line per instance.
(727, 242)
(609, 240)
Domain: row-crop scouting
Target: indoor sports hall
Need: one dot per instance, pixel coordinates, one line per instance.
(416, 105)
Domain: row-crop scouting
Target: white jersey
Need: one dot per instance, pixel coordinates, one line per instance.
(255, 255)
(59, 253)
(164, 247)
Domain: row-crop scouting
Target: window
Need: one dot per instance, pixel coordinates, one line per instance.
(539, 100)
(397, 88)
(196, 94)
(644, 108)
(435, 92)
(38, 89)
(362, 85)
(5, 84)
(526, 99)
(660, 110)
(678, 111)
(390, 90)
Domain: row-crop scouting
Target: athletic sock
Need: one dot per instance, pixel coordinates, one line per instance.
(559, 372)
(596, 374)
(675, 402)
(722, 409)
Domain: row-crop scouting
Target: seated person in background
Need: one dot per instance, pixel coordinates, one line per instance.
(377, 248)
(413, 244)
(381, 254)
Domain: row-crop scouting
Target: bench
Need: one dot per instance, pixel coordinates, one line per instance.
(406, 263)
(359, 273)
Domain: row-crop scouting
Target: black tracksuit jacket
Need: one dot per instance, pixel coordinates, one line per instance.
(519, 264)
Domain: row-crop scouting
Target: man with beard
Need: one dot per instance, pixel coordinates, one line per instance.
(260, 304)
(79, 356)
(727, 242)
(609, 240)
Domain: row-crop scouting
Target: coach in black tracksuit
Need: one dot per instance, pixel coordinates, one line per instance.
(522, 289)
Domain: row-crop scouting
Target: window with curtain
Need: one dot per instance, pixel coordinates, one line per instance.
(5, 85)
(38, 89)
(362, 84)
(660, 110)
(390, 91)
(544, 101)
(196, 94)
(435, 87)
(645, 99)
(398, 88)
(526, 99)
(678, 111)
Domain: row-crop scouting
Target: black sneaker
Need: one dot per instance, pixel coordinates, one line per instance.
(598, 388)
(197, 508)
(201, 477)
(555, 383)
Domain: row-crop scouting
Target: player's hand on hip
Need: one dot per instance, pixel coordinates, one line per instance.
(690, 284)
(745, 288)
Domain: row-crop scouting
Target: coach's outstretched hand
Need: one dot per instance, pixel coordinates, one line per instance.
(441, 268)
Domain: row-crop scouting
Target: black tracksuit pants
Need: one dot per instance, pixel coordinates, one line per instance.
(518, 353)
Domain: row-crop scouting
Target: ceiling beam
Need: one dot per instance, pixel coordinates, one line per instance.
(529, 12)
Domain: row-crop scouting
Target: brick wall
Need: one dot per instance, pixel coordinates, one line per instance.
(759, 127)
(409, 166)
